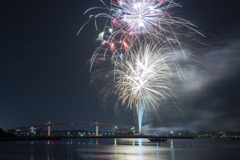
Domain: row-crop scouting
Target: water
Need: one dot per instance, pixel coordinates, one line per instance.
(122, 148)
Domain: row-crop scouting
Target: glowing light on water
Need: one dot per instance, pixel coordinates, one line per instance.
(171, 143)
(140, 142)
(115, 141)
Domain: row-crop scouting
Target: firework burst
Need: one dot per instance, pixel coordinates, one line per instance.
(134, 18)
(143, 76)
(138, 17)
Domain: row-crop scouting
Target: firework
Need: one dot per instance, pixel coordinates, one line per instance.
(143, 39)
(131, 17)
(143, 76)
(131, 20)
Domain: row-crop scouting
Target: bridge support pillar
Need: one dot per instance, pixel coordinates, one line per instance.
(96, 130)
(49, 130)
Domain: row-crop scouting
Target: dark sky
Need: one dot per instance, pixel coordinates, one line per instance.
(44, 77)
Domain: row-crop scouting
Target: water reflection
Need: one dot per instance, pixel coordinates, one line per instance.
(115, 148)
(97, 141)
(47, 142)
(50, 149)
(115, 141)
(140, 142)
(69, 155)
(48, 154)
(158, 156)
(172, 150)
(32, 151)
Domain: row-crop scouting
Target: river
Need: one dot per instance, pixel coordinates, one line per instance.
(121, 149)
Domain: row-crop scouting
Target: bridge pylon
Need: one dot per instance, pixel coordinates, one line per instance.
(49, 129)
(96, 130)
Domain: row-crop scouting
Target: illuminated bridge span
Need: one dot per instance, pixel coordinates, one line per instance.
(118, 127)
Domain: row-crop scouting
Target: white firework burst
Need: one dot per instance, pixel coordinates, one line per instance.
(143, 76)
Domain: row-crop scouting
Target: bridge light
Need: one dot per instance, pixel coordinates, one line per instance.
(91, 124)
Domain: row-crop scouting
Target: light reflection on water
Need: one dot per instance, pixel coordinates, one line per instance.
(121, 148)
(172, 150)
(115, 141)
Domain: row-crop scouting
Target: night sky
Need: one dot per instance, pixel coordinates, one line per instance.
(44, 76)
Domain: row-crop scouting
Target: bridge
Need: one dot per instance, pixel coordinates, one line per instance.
(118, 127)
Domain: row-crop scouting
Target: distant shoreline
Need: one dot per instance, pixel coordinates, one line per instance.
(28, 138)
(102, 137)
(137, 136)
